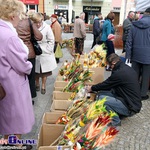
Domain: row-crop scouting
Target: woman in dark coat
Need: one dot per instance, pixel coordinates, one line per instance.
(24, 33)
(108, 29)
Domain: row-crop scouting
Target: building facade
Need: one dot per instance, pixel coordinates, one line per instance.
(90, 7)
(71, 8)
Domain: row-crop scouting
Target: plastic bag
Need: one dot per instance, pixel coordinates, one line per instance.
(128, 62)
(58, 52)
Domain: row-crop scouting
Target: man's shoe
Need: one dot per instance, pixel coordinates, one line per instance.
(145, 97)
(37, 88)
(43, 91)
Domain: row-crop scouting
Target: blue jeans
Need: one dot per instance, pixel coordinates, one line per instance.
(114, 105)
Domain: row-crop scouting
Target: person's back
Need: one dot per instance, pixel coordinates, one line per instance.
(138, 50)
(96, 26)
(121, 89)
(79, 28)
(24, 33)
(23, 30)
(57, 31)
(79, 33)
(127, 87)
(127, 23)
(108, 28)
(141, 40)
(96, 30)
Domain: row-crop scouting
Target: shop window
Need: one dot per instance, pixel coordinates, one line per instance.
(32, 7)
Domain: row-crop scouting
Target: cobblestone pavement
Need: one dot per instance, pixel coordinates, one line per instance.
(134, 132)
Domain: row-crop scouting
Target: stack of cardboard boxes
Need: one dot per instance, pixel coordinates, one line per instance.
(50, 131)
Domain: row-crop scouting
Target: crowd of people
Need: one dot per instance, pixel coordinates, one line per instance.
(128, 85)
(22, 68)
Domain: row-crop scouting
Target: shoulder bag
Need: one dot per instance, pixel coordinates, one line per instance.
(36, 46)
(2, 92)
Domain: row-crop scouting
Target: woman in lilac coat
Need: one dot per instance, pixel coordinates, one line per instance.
(16, 110)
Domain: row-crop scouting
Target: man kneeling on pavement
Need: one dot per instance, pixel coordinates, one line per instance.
(121, 89)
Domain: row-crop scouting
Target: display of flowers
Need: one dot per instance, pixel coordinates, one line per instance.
(89, 130)
(87, 122)
(95, 58)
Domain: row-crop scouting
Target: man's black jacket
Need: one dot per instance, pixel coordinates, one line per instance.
(124, 84)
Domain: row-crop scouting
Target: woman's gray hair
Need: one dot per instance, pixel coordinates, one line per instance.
(81, 14)
(9, 8)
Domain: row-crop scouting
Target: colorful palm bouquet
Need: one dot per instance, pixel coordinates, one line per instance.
(69, 67)
(91, 129)
(77, 108)
(98, 134)
(77, 80)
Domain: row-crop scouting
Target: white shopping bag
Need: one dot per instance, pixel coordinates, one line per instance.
(128, 62)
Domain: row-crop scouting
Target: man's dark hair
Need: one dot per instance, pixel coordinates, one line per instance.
(98, 14)
(147, 11)
(113, 58)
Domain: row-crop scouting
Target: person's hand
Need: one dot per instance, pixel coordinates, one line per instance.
(88, 88)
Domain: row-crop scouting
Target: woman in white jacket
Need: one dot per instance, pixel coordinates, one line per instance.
(45, 63)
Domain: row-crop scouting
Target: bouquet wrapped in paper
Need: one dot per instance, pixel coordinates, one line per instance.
(69, 67)
(92, 111)
(95, 58)
(74, 111)
(77, 80)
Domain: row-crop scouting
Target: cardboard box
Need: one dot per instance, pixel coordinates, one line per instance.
(62, 105)
(97, 77)
(59, 78)
(51, 117)
(59, 85)
(58, 95)
(48, 134)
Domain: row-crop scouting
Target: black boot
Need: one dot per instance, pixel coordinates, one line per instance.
(32, 102)
(57, 60)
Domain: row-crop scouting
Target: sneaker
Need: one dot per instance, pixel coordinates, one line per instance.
(145, 97)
